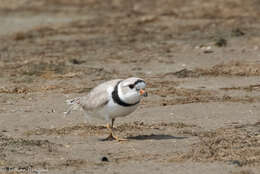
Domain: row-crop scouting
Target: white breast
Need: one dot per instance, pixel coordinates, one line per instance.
(113, 110)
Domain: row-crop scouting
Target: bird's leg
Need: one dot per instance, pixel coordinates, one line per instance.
(111, 136)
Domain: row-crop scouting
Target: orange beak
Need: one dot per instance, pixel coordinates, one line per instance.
(143, 93)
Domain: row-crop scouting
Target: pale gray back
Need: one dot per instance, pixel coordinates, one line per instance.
(98, 96)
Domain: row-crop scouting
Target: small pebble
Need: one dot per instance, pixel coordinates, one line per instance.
(236, 163)
(221, 42)
(104, 159)
(208, 51)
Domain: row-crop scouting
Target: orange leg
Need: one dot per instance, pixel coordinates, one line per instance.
(111, 136)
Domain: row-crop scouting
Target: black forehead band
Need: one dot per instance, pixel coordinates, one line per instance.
(138, 81)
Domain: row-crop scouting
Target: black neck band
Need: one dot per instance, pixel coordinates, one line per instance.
(117, 99)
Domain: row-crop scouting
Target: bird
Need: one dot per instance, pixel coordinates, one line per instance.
(110, 100)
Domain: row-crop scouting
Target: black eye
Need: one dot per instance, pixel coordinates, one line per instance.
(131, 86)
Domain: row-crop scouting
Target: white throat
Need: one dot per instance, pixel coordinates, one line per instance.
(128, 98)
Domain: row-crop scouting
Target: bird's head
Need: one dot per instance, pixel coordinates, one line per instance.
(132, 89)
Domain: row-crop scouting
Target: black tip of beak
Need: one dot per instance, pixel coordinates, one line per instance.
(145, 94)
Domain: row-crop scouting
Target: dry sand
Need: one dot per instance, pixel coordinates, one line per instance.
(201, 60)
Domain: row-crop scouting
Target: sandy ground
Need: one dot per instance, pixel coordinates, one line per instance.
(201, 60)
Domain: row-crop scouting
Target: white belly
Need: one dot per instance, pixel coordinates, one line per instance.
(112, 110)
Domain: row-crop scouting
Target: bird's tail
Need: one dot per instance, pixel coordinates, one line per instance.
(74, 104)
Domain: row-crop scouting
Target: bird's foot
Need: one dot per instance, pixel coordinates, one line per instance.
(112, 137)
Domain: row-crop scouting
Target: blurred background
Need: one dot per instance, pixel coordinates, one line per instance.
(96, 39)
(200, 59)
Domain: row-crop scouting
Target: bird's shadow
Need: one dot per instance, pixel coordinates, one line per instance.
(154, 137)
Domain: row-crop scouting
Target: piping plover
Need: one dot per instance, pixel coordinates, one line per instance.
(110, 100)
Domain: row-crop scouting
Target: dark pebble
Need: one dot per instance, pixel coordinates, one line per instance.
(237, 32)
(76, 62)
(236, 163)
(208, 51)
(104, 159)
(221, 42)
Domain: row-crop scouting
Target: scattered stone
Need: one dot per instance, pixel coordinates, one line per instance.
(221, 42)
(104, 159)
(19, 36)
(237, 32)
(76, 61)
(208, 51)
(236, 163)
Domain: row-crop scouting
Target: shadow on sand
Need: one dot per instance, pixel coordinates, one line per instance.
(154, 137)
